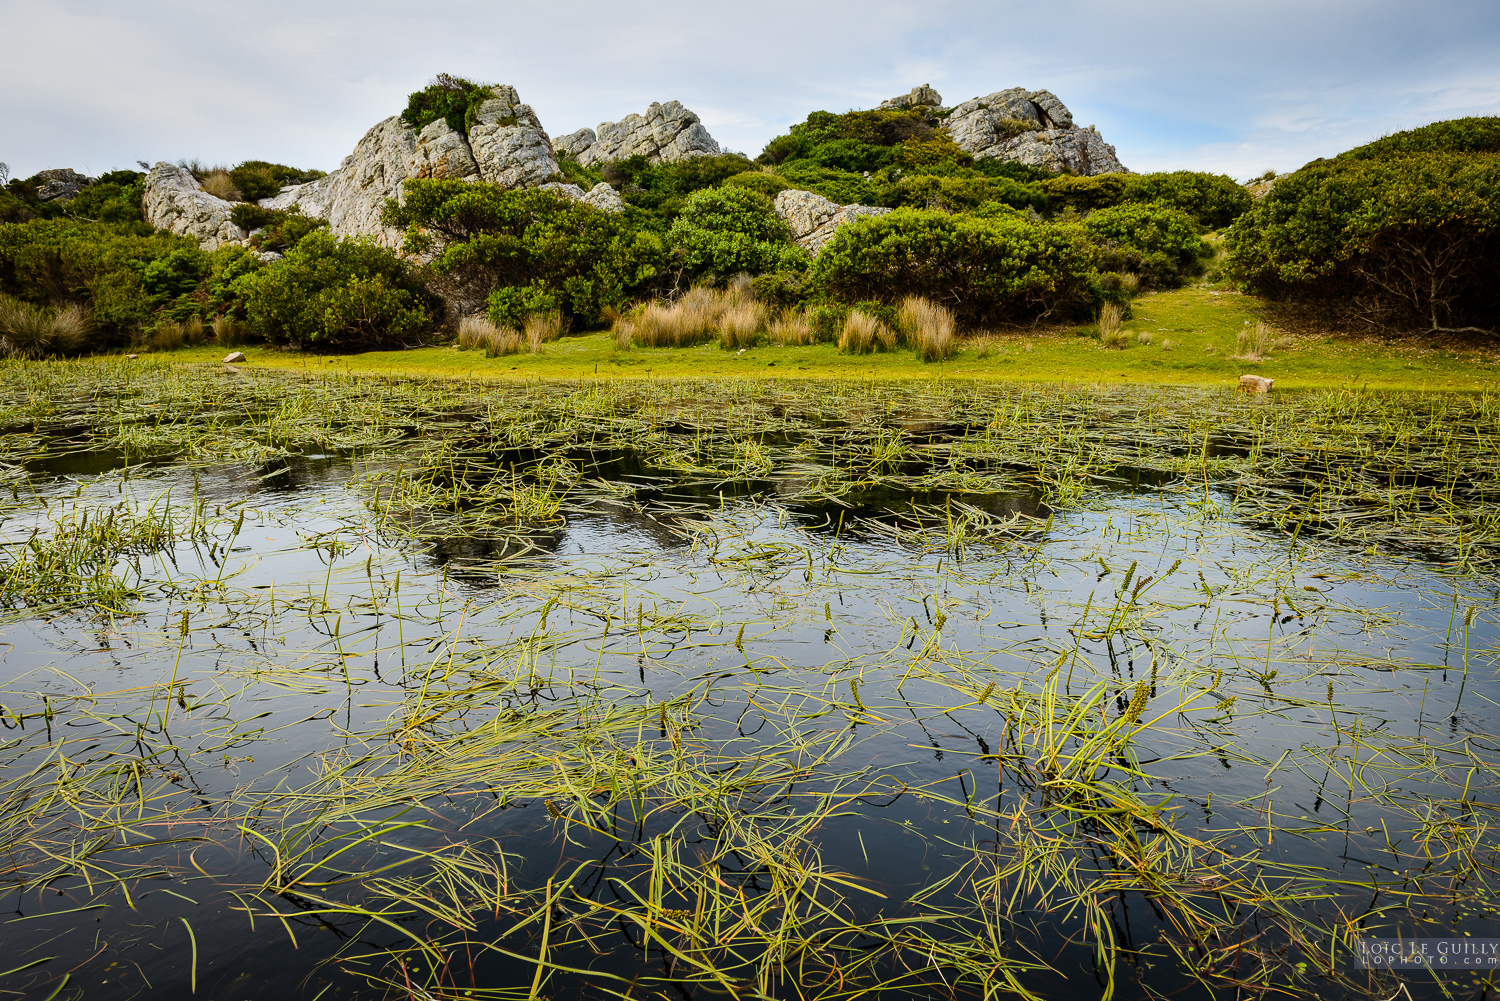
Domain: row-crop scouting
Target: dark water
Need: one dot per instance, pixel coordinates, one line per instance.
(254, 659)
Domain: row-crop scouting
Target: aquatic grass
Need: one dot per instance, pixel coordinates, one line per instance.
(1052, 644)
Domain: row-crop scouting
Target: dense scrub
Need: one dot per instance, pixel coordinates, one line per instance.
(1406, 240)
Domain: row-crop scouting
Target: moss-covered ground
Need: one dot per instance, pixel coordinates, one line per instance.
(1193, 341)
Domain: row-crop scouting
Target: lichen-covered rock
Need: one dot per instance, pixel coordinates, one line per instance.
(353, 197)
(574, 143)
(920, 97)
(1076, 151)
(604, 198)
(601, 196)
(667, 132)
(571, 192)
(443, 152)
(813, 218)
(1030, 127)
(176, 202)
(61, 184)
(509, 144)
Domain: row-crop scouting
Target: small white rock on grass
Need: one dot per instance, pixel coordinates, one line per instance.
(234, 356)
(1255, 384)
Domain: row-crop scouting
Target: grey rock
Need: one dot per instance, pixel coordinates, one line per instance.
(1031, 127)
(353, 197)
(509, 144)
(1076, 151)
(176, 202)
(604, 198)
(234, 357)
(920, 97)
(443, 153)
(813, 219)
(667, 132)
(570, 191)
(601, 196)
(61, 184)
(1255, 384)
(574, 143)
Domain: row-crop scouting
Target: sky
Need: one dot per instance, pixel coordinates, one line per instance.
(1231, 88)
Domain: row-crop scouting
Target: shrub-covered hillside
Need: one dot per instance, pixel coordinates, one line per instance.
(1402, 232)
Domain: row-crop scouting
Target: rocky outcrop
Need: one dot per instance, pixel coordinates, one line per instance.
(60, 185)
(813, 218)
(509, 144)
(352, 197)
(667, 132)
(443, 152)
(1031, 127)
(601, 196)
(574, 143)
(505, 146)
(920, 97)
(176, 202)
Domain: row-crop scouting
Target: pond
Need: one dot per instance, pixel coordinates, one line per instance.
(341, 688)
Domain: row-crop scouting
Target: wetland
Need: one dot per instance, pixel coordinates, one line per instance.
(336, 686)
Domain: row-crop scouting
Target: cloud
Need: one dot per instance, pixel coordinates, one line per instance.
(1170, 84)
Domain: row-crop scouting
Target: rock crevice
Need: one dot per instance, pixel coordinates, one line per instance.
(813, 219)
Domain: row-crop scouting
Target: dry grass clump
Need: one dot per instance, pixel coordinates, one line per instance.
(861, 333)
(740, 327)
(1111, 335)
(478, 333)
(1144, 337)
(229, 332)
(542, 328)
(789, 327)
(28, 331)
(1254, 343)
(690, 320)
(217, 182)
(169, 335)
(928, 327)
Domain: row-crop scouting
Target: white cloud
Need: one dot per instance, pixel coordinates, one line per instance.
(1171, 84)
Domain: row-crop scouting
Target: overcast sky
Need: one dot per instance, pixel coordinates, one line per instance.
(1236, 88)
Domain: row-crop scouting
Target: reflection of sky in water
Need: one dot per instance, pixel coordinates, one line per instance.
(817, 607)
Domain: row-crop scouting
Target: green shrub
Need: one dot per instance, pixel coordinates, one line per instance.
(662, 188)
(576, 173)
(780, 289)
(1212, 199)
(1084, 194)
(855, 141)
(284, 230)
(1012, 169)
(451, 98)
(493, 238)
(248, 216)
(762, 181)
(257, 179)
(1458, 135)
(1157, 242)
(336, 294)
(957, 194)
(985, 270)
(100, 266)
(827, 321)
(841, 186)
(723, 231)
(1413, 240)
(510, 306)
(113, 198)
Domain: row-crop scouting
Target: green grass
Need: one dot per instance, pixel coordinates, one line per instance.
(1201, 323)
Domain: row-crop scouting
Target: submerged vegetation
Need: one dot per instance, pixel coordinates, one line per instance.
(388, 688)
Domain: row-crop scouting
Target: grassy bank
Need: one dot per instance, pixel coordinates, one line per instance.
(1191, 340)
